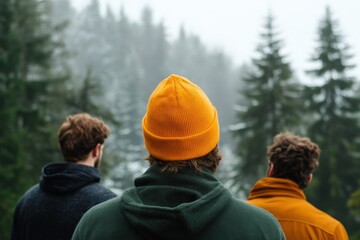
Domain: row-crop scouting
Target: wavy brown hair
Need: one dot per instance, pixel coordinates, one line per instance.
(210, 161)
(79, 134)
(293, 157)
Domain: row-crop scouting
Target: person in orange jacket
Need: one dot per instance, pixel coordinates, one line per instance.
(292, 160)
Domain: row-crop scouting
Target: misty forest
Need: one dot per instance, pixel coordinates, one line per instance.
(56, 61)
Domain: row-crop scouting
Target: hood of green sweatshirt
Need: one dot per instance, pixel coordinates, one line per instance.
(174, 206)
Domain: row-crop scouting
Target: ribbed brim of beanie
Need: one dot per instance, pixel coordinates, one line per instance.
(180, 122)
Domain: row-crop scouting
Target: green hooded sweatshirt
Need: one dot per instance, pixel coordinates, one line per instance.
(186, 205)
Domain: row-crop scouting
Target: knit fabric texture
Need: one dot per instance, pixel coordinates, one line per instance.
(53, 208)
(180, 123)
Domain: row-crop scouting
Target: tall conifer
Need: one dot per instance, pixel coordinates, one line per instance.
(270, 106)
(28, 110)
(335, 127)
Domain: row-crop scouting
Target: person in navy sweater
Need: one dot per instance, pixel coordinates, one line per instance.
(52, 208)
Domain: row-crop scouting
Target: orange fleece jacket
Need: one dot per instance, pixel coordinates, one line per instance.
(298, 218)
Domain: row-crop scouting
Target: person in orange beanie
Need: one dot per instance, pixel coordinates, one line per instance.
(178, 197)
(292, 160)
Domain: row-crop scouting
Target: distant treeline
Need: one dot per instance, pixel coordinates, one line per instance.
(55, 61)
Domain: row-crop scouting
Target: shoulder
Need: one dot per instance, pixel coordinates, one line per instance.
(112, 224)
(30, 196)
(328, 224)
(254, 212)
(104, 211)
(27, 204)
(241, 219)
(321, 220)
(104, 208)
(340, 232)
(97, 192)
(255, 221)
(32, 190)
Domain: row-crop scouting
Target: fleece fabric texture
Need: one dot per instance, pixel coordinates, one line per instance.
(52, 208)
(298, 218)
(186, 205)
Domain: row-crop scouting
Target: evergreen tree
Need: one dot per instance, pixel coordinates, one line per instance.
(11, 153)
(212, 70)
(354, 204)
(335, 127)
(178, 54)
(28, 89)
(189, 57)
(152, 51)
(354, 207)
(270, 106)
(218, 84)
(87, 44)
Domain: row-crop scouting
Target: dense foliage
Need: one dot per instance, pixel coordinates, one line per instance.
(270, 105)
(28, 94)
(55, 61)
(335, 106)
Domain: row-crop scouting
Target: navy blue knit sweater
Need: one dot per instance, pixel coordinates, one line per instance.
(52, 208)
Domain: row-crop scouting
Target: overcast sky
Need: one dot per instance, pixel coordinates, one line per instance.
(234, 25)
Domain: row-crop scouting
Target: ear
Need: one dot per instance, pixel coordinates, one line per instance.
(270, 170)
(96, 150)
(310, 178)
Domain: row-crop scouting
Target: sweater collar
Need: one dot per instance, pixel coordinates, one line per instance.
(62, 178)
(276, 187)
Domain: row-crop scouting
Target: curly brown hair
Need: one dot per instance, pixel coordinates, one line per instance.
(293, 158)
(79, 134)
(210, 161)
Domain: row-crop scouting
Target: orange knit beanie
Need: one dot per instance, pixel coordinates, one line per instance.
(180, 122)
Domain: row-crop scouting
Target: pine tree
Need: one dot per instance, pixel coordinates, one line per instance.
(354, 207)
(87, 44)
(354, 203)
(335, 127)
(152, 52)
(270, 106)
(11, 153)
(28, 109)
(126, 94)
